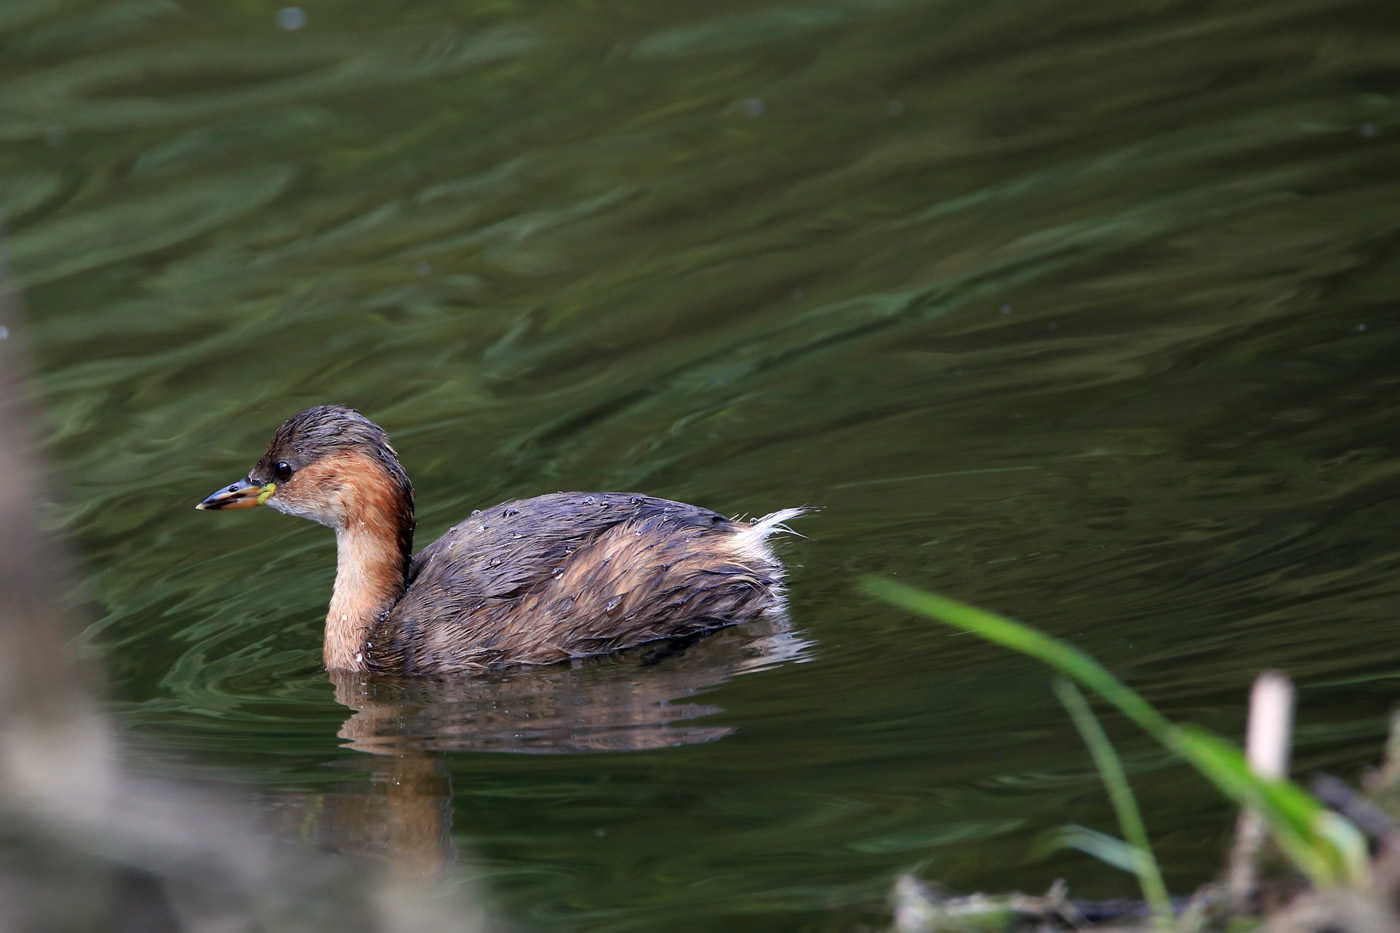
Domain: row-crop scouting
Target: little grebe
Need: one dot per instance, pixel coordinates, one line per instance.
(532, 581)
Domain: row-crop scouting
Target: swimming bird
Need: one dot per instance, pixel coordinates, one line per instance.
(533, 581)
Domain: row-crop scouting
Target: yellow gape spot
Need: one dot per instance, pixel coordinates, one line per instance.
(265, 492)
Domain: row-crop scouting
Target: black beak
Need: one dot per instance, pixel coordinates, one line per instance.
(243, 494)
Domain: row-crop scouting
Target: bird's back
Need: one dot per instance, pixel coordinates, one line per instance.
(574, 574)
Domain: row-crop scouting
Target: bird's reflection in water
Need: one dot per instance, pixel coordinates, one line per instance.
(641, 699)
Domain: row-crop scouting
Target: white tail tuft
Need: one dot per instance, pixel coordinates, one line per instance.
(751, 539)
(773, 523)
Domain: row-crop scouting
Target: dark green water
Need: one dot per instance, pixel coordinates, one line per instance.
(1084, 313)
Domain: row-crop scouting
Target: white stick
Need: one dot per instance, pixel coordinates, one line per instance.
(1268, 743)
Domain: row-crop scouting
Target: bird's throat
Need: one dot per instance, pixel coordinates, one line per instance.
(371, 561)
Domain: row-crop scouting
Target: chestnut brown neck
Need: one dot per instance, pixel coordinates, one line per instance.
(374, 541)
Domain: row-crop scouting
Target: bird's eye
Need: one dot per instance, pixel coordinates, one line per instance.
(282, 471)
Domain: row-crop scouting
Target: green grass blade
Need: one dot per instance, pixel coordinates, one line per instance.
(1107, 849)
(1328, 848)
(1064, 658)
(1320, 844)
(1110, 767)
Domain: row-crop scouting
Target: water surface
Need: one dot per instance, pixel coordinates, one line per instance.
(1086, 314)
